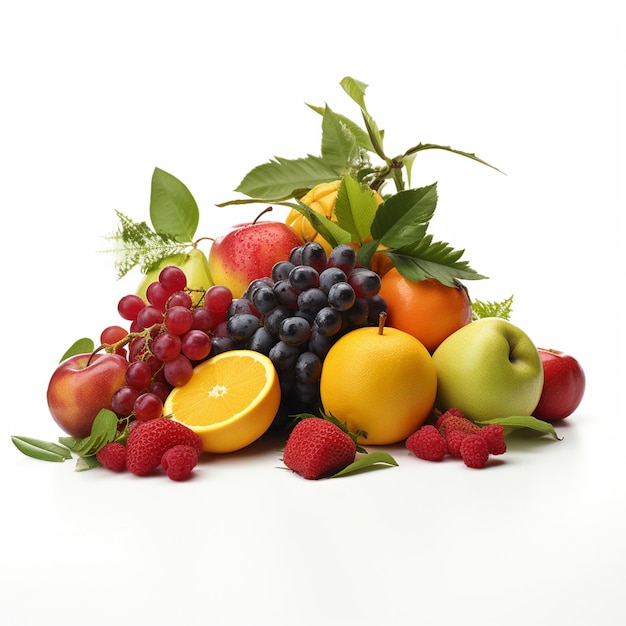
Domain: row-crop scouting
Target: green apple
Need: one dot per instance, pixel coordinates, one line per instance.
(196, 267)
(488, 369)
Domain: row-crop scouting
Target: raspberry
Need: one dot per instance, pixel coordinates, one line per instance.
(494, 436)
(454, 438)
(148, 441)
(427, 443)
(474, 451)
(112, 456)
(178, 461)
(453, 419)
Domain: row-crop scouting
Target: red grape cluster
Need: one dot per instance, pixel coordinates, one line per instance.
(168, 336)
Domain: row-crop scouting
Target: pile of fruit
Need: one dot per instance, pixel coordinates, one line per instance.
(344, 326)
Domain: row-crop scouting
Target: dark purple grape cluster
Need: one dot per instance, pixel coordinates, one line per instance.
(295, 315)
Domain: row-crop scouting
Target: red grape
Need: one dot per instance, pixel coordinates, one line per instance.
(148, 406)
(129, 306)
(173, 278)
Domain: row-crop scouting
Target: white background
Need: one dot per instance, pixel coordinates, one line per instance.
(94, 96)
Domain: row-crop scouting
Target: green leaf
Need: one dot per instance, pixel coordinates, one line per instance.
(339, 146)
(356, 90)
(103, 430)
(523, 421)
(433, 260)
(362, 138)
(41, 450)
(403, 218)
(373, 460)
(411, 152)
(286, 178)
(173, 210)
(355, 208)
(502, 309)
(80, 346)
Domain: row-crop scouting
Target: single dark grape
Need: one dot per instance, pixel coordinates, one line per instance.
(311, 301)
(242, 305)
(221, 344)
(342, 256)
(294, 330)
(255, 284)
(275, 317)
(264, 299)
(376, 305)
(341, 296)
(303, 277)
(314, 254)
(328, 321)
(261, 341)
(320, 344)
(242, 327)
(366, 283)
(281, 269)
(283, 355)
(308, 367)
(286, 293)
(357, 314)
(330, 276)
(295, 256)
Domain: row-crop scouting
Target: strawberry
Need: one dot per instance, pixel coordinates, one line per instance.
(318, 448)
(148, 441)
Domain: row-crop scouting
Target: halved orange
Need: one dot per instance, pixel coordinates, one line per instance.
(230, 401)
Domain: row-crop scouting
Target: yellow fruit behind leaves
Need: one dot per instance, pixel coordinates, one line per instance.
(321, 199)
(382, 384)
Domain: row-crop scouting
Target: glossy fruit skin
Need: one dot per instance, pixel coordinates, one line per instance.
(428, 309)
(563, 386)
(248, 252)
(383, 385)
(79, 388)
(488, 369)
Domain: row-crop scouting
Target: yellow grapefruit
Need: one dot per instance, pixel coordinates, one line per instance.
(381, 381)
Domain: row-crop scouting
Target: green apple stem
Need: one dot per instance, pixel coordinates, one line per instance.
(382, 318)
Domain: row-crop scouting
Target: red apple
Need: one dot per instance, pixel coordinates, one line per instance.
(248, 252)
(80, 388)
(563, 385)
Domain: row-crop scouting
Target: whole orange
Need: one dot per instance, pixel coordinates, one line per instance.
(380, 382)
(426, 309)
